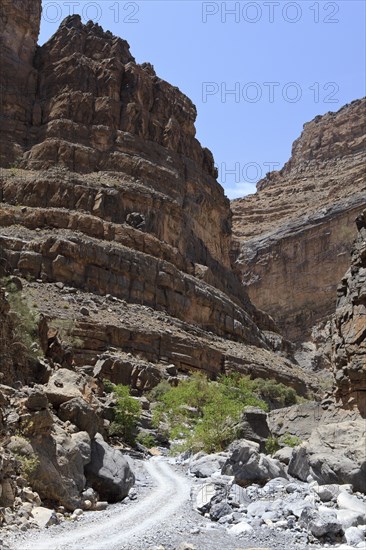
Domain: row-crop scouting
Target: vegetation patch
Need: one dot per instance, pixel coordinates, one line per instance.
(25, 322)
(126, 415)
(201, 414)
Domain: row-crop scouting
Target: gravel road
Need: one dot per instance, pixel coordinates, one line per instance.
(110, 533)
(162, 515)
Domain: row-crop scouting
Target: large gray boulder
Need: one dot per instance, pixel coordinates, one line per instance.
(248, 465)
(64, 385)
(253, 426)
(205, 466)
(59, 460)
(320, 523)
(108, 471)
(298, 420)
(335, 453)
(80, 413)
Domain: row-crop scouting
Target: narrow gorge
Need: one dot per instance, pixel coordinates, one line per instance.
(177, 371)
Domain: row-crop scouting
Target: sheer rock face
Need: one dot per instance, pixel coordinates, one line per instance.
(114, 196)
(295, 234)
(19, 28)
(95, 109)
(349, 338)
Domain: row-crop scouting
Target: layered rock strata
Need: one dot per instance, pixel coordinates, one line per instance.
(295, 234)
(112, 194)
(19, 28)
(349, 332)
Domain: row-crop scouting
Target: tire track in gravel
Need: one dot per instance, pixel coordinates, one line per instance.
(171, 492)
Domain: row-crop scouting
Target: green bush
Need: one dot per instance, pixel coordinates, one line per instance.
(146, 439)
(127, 415)
(28, 464)
(161, 389)
(272, 445)
(202, 414)
(25, 322)
(275, 392)
(289, 440)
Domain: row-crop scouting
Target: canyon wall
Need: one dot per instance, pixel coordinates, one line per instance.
(19, 28)
(349, 330)
(294, 236)
(113, 198)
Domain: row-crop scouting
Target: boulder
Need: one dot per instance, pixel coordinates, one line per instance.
(259, 508)
(327, 493)
(351, 502)
(65, 385)
(36, 400)
(56, 464)
(298, 420)
(44, 517)
(284, 455)
(354, 536)
(326, 455)
(253, 426)
(240, 528)
(320, 523)
(219, 510)
(247, 465)
(80, 413)
(348, 518)
(108, 471)
(205, 466)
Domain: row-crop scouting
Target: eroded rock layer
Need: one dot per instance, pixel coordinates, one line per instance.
(295, 234)
(349, 335)
(112, 194)
(19, 28)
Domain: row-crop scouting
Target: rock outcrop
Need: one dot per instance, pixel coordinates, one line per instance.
(19, 28)
(295, 234)
(335, 451)
(349, 333)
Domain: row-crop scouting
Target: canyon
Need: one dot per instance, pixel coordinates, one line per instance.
(123, 262)
(293, 237)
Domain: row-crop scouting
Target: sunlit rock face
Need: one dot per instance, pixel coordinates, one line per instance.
(294, 236)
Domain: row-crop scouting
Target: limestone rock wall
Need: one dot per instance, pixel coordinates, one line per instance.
(114, 196)
(349, 334)
(19, 28)
(294, 236)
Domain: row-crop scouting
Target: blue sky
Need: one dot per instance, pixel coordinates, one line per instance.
(257, 71)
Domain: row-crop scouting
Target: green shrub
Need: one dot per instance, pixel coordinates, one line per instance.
(28, 464)
(275, 392)
(202, 414)
(146, 439)
(127, 415)
(289, 440)
(25, 322)
(108, 385)
(161, 389)
(272, 445)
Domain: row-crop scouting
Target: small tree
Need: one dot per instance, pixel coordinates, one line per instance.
(127, 415)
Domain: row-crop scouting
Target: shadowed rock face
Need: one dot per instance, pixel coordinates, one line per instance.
(19, 28)
(349, 337)
(294, 236)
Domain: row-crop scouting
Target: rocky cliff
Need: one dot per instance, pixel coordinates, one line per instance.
(112, 195)
(294, 236)
(114, 262)
(19, 28)
(349, 334)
